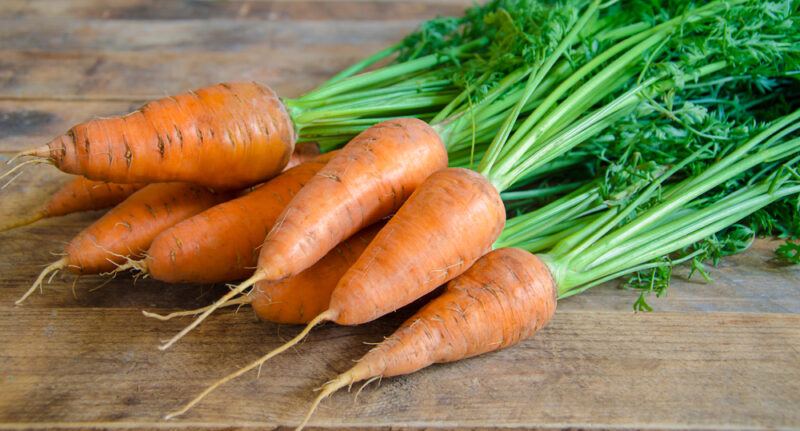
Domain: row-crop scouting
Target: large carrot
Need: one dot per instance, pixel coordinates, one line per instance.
(221, 243)
(367, 180)
(505, 297)
(127, 230)
(228, 135)
(79, 194)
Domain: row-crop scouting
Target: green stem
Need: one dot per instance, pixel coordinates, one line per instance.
(363, 64)
(377, 76)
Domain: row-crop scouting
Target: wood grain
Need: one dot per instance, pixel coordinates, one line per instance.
(594, 369)
(321, 10)
(724, 355)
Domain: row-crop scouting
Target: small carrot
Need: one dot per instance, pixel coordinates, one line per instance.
(79, 194)
(127, 229)
(226, 136)
(369, 179)
(505, 297)
(221, 243)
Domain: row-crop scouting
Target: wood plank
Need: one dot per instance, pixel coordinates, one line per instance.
(147, 75)
(25, 124)
(327, 10)
(219, 35)
(587, 369)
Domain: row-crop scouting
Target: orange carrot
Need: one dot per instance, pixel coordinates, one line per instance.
(368, 180)
(504, 298)
(300, 298)
(221, 243)
(79, 194)
(226, 136)
(127, 230)
(403, 263)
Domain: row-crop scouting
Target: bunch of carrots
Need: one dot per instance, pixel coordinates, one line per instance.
(517, 155)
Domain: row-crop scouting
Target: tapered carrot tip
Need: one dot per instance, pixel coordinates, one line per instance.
(329, 388)
(238, 290)
(23, 221)
(51, 269)
(43, 152)
(325, 316)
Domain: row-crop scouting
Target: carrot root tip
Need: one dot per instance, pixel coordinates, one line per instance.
(255, 278)
(255, 364)
(342, 380)
(49, 270)
(24, 221)
(242, 300)
(19, 167)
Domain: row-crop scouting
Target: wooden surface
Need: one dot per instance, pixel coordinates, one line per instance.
(724, 355)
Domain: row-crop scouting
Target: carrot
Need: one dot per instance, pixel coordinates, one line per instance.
(227, 136)
(79, 194)
(127, 230)
(221, 243)
(402, 264)
(299, 299)
(505, 297)
(368, 180)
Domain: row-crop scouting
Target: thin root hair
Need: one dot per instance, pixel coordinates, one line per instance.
(240, 301)
(55, 266)
(225, 298)
(257, 363)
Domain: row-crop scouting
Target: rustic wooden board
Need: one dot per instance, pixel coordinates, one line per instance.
(321, 10)
(720, 355)
(585, 369)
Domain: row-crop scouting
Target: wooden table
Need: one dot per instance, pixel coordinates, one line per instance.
(721, 355)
